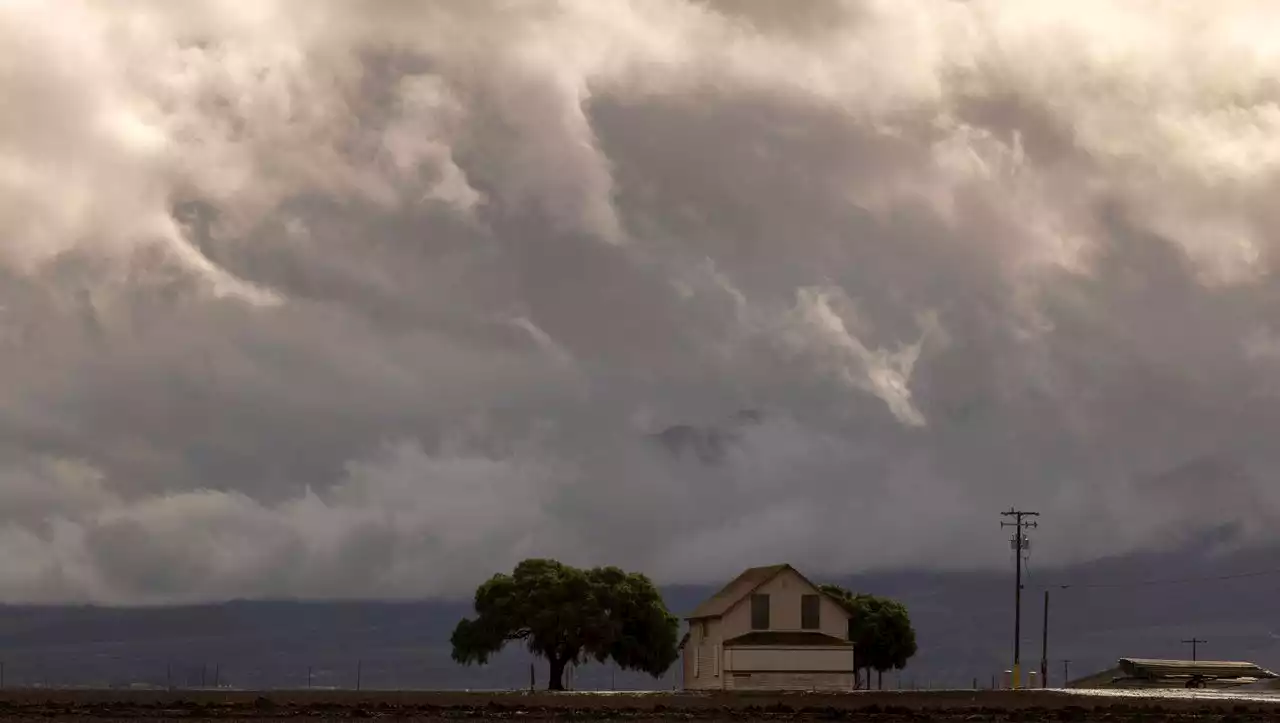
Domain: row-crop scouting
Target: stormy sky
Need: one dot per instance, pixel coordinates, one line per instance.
(373, 299)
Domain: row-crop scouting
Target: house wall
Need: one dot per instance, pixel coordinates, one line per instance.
(702, 655)
(790, 659)
(784, 593)
(790, 681)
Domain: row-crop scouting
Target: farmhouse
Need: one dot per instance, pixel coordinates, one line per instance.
(769, 629)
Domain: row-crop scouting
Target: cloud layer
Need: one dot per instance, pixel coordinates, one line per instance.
(339, 299)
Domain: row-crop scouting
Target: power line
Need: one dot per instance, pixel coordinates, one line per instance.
(1019, 544)
(1167, 581)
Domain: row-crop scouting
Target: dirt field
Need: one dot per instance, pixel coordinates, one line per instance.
(1024, 706)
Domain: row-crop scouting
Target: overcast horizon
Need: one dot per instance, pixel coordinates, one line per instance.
(339, 299)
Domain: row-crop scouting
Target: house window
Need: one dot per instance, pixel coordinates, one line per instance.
(809, 612)
(759, 612)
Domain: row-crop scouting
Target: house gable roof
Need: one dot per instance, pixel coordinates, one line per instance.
(738, 588)
(741, 586)
(787, 638)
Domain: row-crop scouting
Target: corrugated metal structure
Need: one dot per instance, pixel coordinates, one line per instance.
(1152, 673)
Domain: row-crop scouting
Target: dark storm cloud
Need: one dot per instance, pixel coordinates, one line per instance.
(311, 299)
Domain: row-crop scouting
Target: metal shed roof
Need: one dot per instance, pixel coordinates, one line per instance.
(1153, 668)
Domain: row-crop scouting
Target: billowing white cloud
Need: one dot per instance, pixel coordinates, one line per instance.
(336, 299)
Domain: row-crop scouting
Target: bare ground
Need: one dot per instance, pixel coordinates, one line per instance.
(1013, 706)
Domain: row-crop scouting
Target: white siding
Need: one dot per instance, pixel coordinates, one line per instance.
(788, 659)
(790, 681)
(784, 593)
(702, 657)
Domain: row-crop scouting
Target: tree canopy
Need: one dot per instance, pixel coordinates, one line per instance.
(880, 629)
(568, 615)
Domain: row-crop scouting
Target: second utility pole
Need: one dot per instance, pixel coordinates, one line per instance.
(1019, 545)
(1194, 642)
(1044, 644)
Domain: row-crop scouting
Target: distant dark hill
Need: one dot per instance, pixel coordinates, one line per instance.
(963, 623)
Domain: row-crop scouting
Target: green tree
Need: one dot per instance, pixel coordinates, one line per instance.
(568, 615)
(880, 629)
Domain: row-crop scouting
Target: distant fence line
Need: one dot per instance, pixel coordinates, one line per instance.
(356, 675)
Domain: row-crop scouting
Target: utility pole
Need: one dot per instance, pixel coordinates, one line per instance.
(1019, 544)
(1194, 642)
(1044, 644)
(1066, 672)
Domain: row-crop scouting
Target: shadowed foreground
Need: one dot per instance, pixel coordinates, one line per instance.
(427, 706)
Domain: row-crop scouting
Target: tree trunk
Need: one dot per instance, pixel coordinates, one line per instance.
(880, 679)
(556, 679)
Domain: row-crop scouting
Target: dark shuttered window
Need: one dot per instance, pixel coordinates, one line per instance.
(809, 619)
(759, 612)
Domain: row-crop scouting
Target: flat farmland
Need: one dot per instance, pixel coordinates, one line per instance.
(1025, 706)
